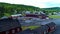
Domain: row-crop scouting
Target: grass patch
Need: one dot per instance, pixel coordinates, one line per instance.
(54, 16)
(29, 27)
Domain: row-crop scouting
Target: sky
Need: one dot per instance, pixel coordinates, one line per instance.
(37, 3)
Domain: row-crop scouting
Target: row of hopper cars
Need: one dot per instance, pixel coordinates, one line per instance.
(13, 26)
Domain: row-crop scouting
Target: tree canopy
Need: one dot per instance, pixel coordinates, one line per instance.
(6, 8)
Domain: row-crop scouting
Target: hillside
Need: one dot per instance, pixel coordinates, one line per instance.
(52, 9)
(6, 8)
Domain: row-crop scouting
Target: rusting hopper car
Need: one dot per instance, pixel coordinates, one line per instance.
(9, 26)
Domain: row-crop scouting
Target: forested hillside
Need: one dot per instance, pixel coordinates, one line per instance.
(8, 9)
(53, 9)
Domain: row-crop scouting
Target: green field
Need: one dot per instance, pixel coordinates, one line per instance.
(29, 27)
(54, 16)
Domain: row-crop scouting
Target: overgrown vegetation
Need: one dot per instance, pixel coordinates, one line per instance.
(54, 16)
(30, 27)
(7, 9)
(51, 10)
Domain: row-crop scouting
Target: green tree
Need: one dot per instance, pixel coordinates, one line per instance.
(1, 11)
